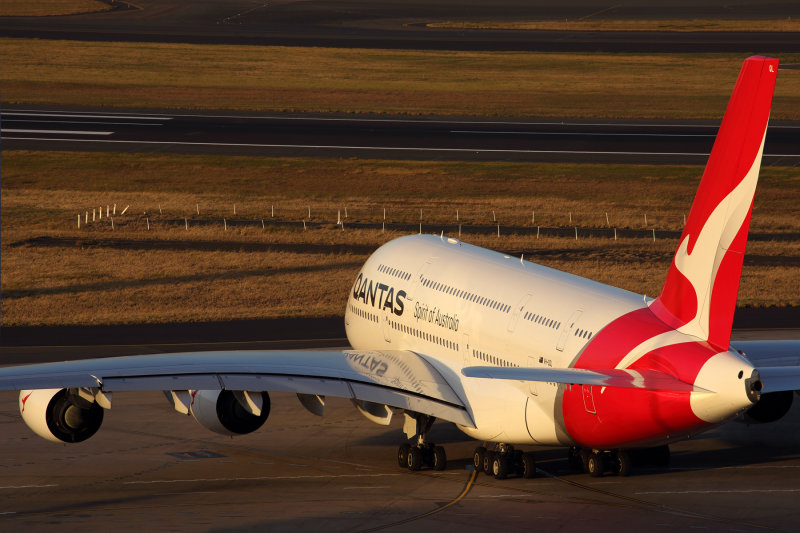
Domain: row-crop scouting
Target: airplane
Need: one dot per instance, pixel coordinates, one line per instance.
(514, 353)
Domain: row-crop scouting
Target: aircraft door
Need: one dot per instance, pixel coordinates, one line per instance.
(567, 329)
(518, 311)
(387, 329)
(532, 363)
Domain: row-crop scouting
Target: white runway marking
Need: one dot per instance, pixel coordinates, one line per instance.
(56, 132)
(258, 478)
(583, 133)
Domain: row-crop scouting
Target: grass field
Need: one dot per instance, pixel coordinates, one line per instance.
(41, 8)
(675, 25)
(376, 81)
(169, 274)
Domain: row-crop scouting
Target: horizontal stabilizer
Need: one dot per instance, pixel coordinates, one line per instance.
(630, 379)
(779, 378)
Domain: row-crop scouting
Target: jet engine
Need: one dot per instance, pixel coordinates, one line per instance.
(770, 407)
(230, 412)
(62, 415)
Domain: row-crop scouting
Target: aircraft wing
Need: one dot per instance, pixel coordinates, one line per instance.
(770, 353)
(401, 379)
(632, 379)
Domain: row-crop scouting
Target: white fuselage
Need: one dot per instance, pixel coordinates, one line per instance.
(459, 305)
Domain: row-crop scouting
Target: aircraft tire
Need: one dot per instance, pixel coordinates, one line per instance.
(477, 458)
(414, 458)
(439, 458)
(402, 455)
(624, 463)
(594, 465)
(528, 465)
(500, 466)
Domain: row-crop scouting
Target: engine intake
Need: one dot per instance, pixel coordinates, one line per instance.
(230, 412)
(60, 415)
(770, 407)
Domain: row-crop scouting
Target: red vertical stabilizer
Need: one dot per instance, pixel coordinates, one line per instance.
(699, 294)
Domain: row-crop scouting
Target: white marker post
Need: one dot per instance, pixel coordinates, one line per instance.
(537, 232)
(615, 234)
(262, 223)
(345, 212)
(494, 217)
(234, 209)
(125, 210)
(273, 211)
(384, 213)
(115, 209)
(607, 222)
(498, 231)
(86, 220)
(645, 220)
(304, 225)
(101, 213)
(148, 223)
(533, 217)
(576, 233)
(457, 219)
(159, 210)
(186, 222)
(94, 211)
(339, 217)
(107, 212)
(225, 223)
(654, 234)
(112, 224)
(79, 222)
(197, 205)
(309, 212)
(570, 217)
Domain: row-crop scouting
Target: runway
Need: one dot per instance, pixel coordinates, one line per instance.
(403, 25)
(151, 468)
(596, 141)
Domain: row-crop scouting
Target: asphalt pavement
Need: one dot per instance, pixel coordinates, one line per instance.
(595, 141)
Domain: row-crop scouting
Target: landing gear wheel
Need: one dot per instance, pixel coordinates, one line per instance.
(583, 456)
(594, 465)
(528, 466)
(439, 458)
(488, 457)
(500, 466)
(624, 464)
(414, 462)
(477, 458)
(402, 455)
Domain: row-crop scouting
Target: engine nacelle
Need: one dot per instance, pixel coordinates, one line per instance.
(770, 407)
(230, 412)
(59, 415)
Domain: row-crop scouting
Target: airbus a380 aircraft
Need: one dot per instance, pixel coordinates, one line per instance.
(512, 352)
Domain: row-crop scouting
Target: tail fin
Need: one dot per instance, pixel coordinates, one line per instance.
(699, 294)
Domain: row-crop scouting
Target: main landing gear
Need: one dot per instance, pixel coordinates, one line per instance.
(420, 453)
(619, 462)
(503, 461)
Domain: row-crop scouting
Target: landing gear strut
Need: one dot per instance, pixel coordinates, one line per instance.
(415, 455)
(503, 461)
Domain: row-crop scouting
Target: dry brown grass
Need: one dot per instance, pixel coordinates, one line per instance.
(676, 25)
(42, 8)
(103, 283)
(376, 81)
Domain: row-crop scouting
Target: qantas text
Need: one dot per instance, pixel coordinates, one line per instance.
(379, 295)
